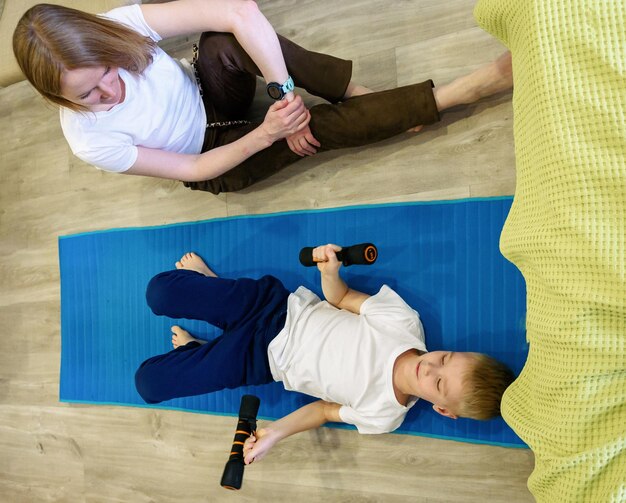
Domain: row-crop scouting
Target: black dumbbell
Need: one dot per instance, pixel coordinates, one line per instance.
(232, 478)
(363, 254)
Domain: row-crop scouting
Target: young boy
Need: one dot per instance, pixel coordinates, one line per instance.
(363, 356)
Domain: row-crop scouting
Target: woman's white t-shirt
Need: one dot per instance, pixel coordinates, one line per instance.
(162, 109)
(348, 358)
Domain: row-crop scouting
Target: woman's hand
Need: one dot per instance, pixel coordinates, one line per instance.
(257, 446)
(303, 142)
(285, 118)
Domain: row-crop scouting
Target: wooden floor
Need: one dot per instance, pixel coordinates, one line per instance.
(50, 451)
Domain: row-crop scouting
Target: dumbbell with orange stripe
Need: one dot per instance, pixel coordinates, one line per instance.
(232, 478)
(363, 254)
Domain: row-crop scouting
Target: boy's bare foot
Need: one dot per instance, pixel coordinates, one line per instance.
(193, 262)
(181, 337)
(487, 80)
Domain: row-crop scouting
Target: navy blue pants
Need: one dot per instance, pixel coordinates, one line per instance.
(250, 312)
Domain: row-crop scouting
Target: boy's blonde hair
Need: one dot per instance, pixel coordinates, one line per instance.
(50, 39)
(483, 387)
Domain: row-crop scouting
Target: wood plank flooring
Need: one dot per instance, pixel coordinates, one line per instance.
(50, 451)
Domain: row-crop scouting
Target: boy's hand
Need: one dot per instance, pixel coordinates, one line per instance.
(257, 446)
(335, 289)
(326, 258)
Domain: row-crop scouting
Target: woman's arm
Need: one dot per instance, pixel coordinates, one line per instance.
(305, 418)
(242, 18)
(282, 119)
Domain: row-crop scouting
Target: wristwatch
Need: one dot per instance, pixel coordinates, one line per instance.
(277, 91)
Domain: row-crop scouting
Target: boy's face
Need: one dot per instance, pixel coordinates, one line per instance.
(438, 379)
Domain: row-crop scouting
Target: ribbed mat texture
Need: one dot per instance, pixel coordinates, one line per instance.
(443, 258)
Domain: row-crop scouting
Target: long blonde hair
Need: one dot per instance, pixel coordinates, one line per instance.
(50, 39)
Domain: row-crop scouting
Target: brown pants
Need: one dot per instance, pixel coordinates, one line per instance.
(228, 77)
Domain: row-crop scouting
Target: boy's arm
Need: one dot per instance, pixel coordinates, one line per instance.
(335, 289)
(305, 418)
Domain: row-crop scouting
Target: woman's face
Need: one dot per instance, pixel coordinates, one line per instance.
(96, 87)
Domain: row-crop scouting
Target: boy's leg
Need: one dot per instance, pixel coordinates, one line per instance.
(185, 371)
(252, 312)
(224, 303)
(236, 358)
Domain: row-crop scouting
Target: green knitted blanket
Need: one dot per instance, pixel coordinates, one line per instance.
(566, 234)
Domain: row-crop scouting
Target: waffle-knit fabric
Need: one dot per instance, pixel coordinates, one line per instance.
(565, 233)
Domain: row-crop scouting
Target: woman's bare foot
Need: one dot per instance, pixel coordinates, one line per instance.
(415, 129)
(193, 262)
(181, 337)
(355, 89)
(487, 80)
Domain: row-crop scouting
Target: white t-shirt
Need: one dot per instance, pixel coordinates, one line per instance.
(162, 109)
(348, 358)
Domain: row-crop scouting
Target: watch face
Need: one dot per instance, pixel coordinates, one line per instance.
(274, 91)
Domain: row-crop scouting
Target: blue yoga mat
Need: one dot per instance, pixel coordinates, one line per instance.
(442, 258)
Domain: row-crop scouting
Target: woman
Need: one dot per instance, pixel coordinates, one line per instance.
(127, 107)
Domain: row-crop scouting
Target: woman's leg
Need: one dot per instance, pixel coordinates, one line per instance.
(359, 121)
(355, 122)
(228, 74)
